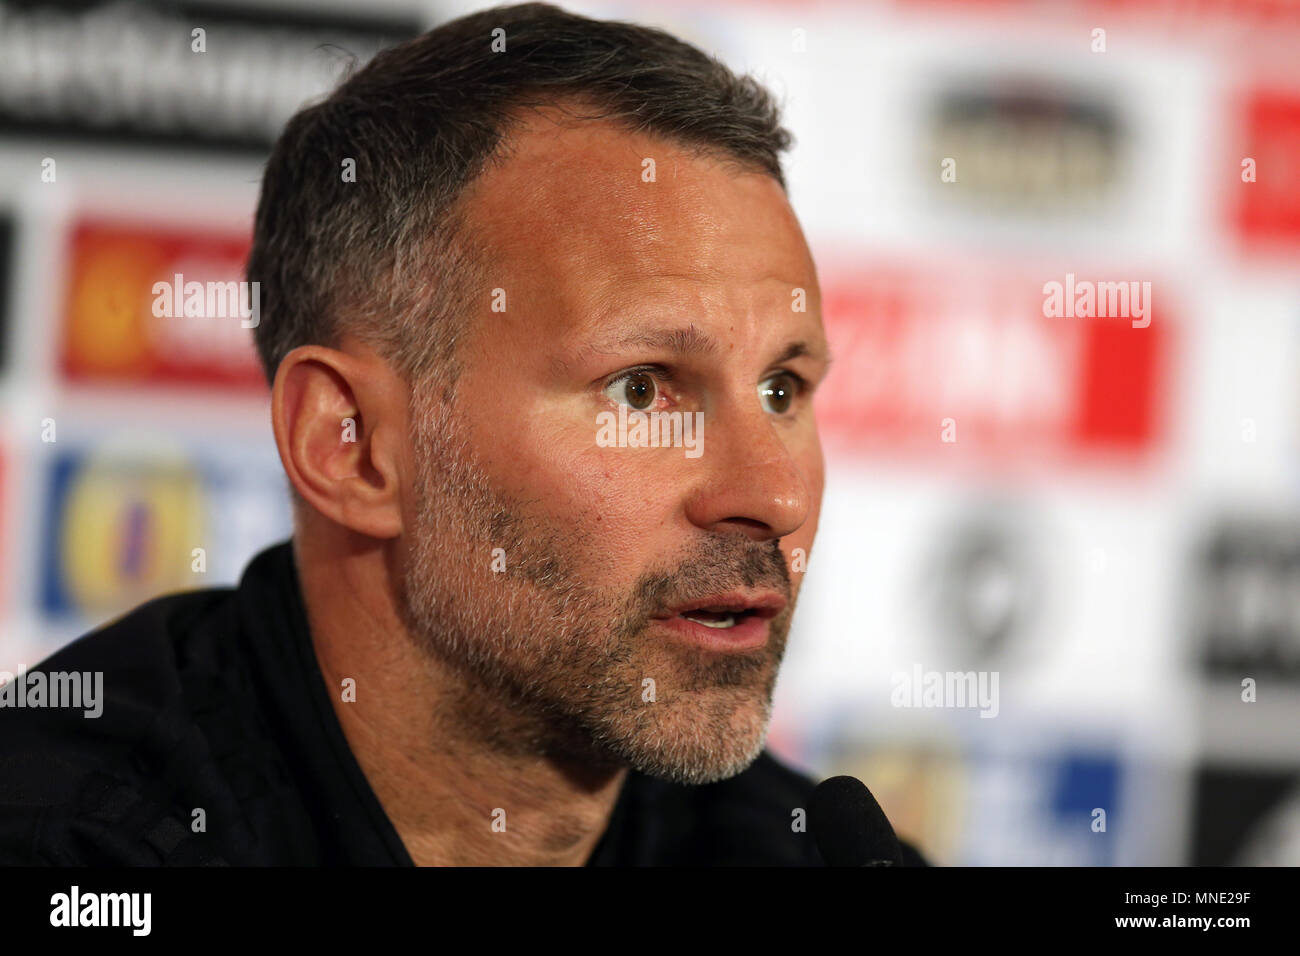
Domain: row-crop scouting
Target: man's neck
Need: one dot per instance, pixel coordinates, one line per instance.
(451, 767)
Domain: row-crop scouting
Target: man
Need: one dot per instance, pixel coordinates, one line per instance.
(542, 332)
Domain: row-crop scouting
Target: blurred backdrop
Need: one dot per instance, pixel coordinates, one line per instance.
(1090, 516)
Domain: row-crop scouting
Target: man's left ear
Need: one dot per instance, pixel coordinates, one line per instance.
(339, 417)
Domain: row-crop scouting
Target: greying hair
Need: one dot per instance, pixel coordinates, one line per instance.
(388, 258)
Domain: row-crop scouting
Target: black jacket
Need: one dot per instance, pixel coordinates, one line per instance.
(215, 710)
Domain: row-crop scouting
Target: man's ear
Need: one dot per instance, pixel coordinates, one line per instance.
(340, 420)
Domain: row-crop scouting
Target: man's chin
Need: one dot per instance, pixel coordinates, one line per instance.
(710, 767)
(697, 748)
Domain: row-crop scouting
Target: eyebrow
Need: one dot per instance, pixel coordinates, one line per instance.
(690, 340)
(798, 349)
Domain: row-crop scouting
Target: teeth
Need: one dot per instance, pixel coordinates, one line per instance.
(726, 621)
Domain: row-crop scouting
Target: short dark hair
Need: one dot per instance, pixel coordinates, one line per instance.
(421, 121)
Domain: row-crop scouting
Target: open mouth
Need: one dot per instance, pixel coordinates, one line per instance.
(720, 619)
(725, 623)
(734, 621)
(723, 612)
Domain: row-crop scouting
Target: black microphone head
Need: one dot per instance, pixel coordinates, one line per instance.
(849, 826)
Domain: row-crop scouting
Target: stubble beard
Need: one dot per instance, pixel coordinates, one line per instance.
(545, 662)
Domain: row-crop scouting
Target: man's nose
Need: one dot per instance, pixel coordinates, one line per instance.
(750, 481)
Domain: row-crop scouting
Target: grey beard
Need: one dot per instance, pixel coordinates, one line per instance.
(546, 664)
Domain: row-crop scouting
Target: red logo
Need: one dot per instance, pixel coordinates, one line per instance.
(1268, 209)
(958, 362)
(113, 329)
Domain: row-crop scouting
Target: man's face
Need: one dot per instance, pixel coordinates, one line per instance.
(550, 558)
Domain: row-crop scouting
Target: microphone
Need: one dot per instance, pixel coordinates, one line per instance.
(849, 826)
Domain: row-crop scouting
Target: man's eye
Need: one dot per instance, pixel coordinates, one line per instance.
(778, 392)
(634, 389)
